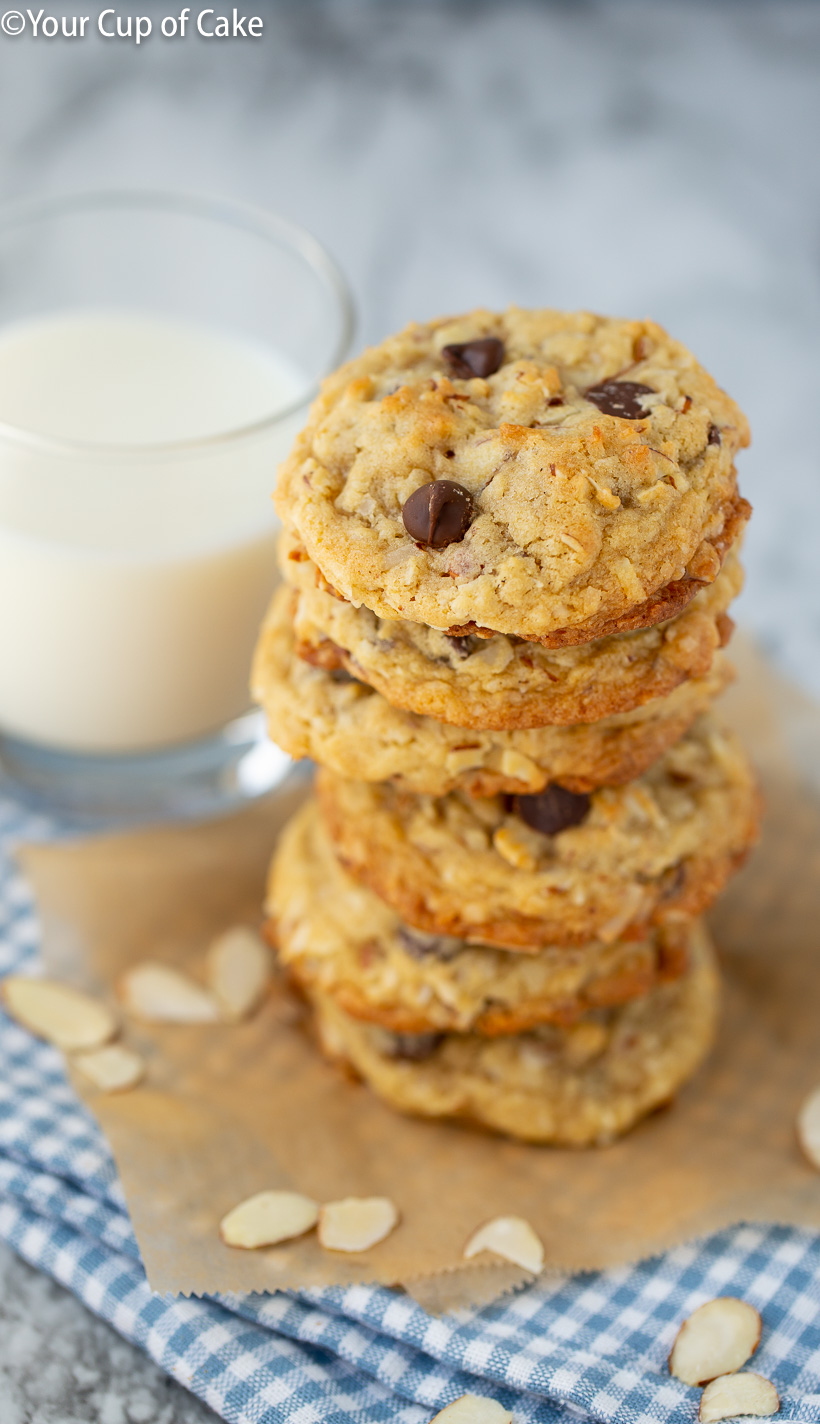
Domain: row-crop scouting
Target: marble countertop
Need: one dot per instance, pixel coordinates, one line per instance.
(636, 156)
(60, 1365)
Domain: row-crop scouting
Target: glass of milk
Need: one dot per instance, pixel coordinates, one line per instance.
(157, 355)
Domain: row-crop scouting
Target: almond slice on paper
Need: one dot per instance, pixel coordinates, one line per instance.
(159, 994)
(238, 970)
(473, 1409)
(111, 1069)
(267, 1218)
(717, 1339)
(511, 1237)
(808, 1128)
(62, 1015)
(356, 1223)
(730, 1395)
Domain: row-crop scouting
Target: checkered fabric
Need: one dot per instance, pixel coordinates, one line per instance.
(594, 1343)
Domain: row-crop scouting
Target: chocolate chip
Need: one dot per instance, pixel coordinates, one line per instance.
(713, 438)
(621, 398)
(414, 1046)
(556, 400)
(438, 514)
(466, 359)
(554, 809)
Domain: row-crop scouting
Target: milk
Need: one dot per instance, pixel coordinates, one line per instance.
(133, 579)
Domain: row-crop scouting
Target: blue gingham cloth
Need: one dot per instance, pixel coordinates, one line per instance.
(591, 1344)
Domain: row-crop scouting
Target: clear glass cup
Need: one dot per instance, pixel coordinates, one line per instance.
(134, 572)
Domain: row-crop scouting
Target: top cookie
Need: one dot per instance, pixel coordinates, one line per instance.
(582, 483)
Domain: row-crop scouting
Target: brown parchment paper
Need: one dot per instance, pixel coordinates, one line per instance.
(227, 1111)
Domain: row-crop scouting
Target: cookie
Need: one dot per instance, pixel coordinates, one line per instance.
(572, 1087)
(348, 726)
(555, 868)
(582, 487)
(336, 938)
(499, 683)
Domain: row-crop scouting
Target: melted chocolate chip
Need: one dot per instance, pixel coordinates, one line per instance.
(713, 438)
(414, 1046)
(466, 359)
(438, 514)
(621, 398)
(554, 809)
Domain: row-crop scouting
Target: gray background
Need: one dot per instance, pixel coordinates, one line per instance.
(634, 156)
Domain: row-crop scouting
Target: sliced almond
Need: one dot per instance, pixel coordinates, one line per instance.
(238, 970)
(111, 1069)
(808, 1128)
(511, 1237)
(267, 1218)
(64, 1016)
(730, 1395)
(717, 1339)
(159, 994)
(356, 1223)
(473, 1409)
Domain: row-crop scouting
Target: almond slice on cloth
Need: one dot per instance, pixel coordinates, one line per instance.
(473, 1409)
(267, 1218)
(238, 971)
(356, 1223)
(159, 994)
(730, 1395)
(111, 1069)
(62, 1015)
(808, 1128)
(511, 1237)
(717, 1339)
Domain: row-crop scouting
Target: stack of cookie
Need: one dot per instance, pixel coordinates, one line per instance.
(510, 545)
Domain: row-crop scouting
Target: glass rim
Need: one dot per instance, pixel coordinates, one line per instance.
(277, 230)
